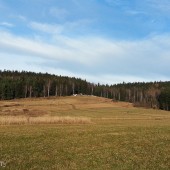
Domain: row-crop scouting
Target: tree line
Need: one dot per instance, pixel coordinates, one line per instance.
(15, 84)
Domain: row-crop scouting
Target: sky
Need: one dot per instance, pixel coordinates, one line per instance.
(105, 41)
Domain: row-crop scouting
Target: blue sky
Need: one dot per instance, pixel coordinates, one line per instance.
(106, 41)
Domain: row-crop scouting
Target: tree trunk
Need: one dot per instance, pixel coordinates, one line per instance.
(30, 91)
(48, 88)
(26, 91)
(44, 91)
(56, 94)
(73, 88)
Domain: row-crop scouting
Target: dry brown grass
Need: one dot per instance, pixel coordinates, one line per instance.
(45, 106)
(74, 110)
(20, 120)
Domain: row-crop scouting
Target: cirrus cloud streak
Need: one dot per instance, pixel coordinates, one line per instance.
(95, 56)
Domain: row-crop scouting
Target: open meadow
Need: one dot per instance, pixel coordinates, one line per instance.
(84, 133)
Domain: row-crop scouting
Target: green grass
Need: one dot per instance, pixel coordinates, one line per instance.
(85, 147)
(117, 139)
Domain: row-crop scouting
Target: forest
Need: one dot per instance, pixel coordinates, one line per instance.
(15, 84)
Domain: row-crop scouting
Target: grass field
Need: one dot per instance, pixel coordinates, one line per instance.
(93, 133)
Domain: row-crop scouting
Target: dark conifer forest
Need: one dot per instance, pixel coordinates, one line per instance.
(15, 84)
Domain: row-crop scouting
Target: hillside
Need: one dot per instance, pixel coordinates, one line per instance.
(15, 85)
(58, 105)
(92, 107)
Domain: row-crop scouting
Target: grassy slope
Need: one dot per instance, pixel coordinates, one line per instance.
(119, 137)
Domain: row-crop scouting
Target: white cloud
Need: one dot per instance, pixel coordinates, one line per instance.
(65, 49)
(6, 24)
(20, 17)
(115, 2)
(98, 59)
(135, 12)
(58, 12)
(60, 28)
(161, 6)
(47, 28)
(19, 45)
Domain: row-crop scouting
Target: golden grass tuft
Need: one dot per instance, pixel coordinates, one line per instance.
(20, 120)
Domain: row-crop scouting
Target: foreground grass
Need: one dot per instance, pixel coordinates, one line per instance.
(118, 138)
(85, 147)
